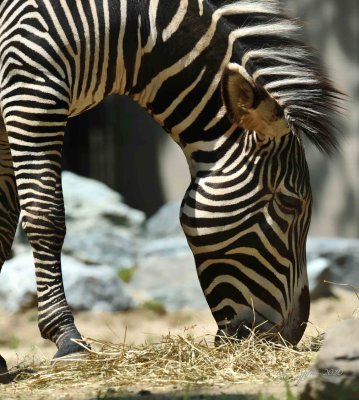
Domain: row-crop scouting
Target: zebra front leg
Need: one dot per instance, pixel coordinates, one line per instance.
(36, 144)
(9, 204)
(9, 214)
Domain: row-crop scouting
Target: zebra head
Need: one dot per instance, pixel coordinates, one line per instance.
(270, 251)
(247, 219)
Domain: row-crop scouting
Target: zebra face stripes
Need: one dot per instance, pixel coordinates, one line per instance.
(234, 88)
(246, 223)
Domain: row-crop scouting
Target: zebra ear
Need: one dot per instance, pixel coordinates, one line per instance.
(249, 106)
(238, 92)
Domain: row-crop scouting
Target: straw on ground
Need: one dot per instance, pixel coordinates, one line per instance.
(176, 360)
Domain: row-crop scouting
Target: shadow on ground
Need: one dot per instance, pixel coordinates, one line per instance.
(145, 395)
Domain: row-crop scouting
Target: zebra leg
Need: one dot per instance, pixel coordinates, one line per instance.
(36, 144)
(9, 214)
(9, 204)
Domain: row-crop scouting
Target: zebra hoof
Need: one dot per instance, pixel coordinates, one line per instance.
(8, 377)
(4, 373)
(71, 351)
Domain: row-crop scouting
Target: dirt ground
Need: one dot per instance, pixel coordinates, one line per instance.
(20, 339)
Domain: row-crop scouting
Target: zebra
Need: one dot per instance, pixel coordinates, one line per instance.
(232, 84)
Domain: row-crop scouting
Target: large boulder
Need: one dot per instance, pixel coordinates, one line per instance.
(107, 245)
(166, 274)
(92, 203)
(101, 229)
(95, 288)
(335, 374)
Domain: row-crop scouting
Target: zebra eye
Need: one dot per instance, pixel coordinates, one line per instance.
(289, 203)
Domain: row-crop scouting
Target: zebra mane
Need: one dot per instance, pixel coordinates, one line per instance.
(287, 69)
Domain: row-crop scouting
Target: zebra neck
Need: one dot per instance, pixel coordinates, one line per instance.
(136, 37)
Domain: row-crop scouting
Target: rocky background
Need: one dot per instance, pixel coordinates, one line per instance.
(116, 259)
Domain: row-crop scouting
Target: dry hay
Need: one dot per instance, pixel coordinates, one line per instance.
(176, 360)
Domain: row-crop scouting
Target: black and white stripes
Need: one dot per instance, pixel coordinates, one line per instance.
(234, 88)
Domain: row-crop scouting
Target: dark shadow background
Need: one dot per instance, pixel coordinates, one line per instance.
(119, 144)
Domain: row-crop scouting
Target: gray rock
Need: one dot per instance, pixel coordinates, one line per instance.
(319, 274)
(101, 229)
(87, 288)
(17, 287)
(111, 246)
(171, 281)
(334, 260)
(166, 274)
(335, 374)
(333, 248)
(165, 222)
(96, 288)
(167, 247)
(89, 202)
